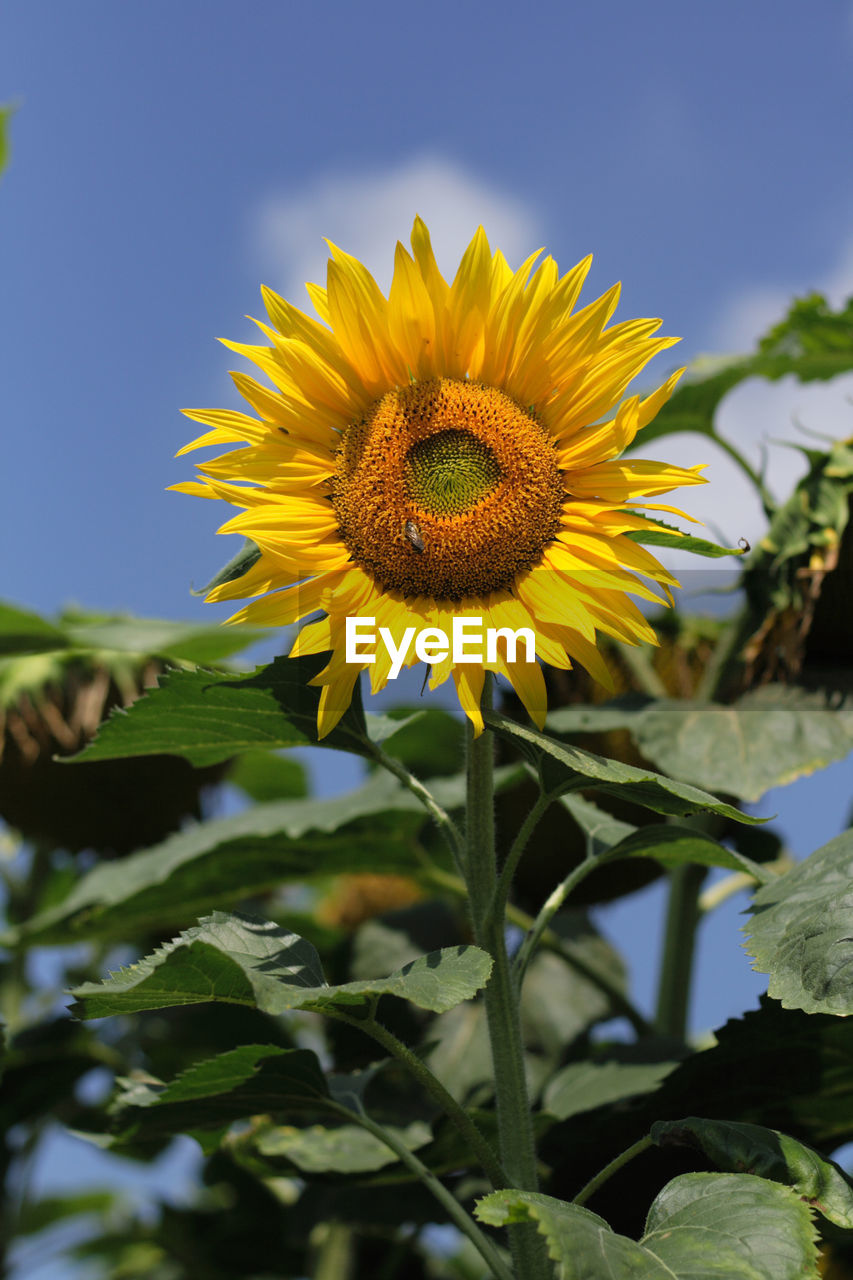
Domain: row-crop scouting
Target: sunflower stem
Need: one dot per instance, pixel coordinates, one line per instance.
(465, 1126)
(501, 996)
(552, 905)
(682, 919)
(552, 942)
(441, 817)
(526, 830)
(448, 1201)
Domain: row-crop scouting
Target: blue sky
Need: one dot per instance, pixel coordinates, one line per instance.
(170, 157)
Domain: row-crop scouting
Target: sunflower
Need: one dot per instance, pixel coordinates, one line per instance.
(444, 453)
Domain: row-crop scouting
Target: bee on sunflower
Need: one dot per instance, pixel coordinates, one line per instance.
(443, 453)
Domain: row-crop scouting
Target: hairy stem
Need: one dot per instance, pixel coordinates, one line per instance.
(552, 905)
(518, 846)
(441, 817)
(451, 1205)
(552, 941)
(515, 1128)
(431, 1085)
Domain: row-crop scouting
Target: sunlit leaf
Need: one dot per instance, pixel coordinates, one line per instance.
(210, 1095)
(582, 1086)
(345, 1149)
(661, 534)
(766, 739)
(212, 864)
(206, 717)
(801, 931)
(244, 960)
(768, 1153)
(701, 1224)
(563, 766)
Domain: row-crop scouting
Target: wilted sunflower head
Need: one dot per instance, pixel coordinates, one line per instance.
(51, 705)
(444, 452)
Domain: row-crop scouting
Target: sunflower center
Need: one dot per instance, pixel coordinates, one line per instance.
(446, 489)
(450, 472)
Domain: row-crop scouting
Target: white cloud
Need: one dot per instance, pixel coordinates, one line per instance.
(367, 213)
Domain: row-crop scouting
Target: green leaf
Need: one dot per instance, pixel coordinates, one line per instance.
(239, 564)
(563, 766)
(800, 931)
(266, 776)
(216, 862)
(600, 827)
(777, 1067)
(25, 632)
(249, 1080)
(182, 641)
(701, 1224)
(727, 748)
(619, 713)
(244, 960)
(559, 1005)
(38, 1215)
(813, 342)
(430, 742)
(6, 113)
(724, 748)
(769, 1154)
(661, 534)
(672, 846)
(579, 1242)
(582, 1086)
(22, 632)
(345, 1149)
(207, 718)
(732, 1225)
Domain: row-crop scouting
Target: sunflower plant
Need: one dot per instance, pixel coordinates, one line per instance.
(390, 1010)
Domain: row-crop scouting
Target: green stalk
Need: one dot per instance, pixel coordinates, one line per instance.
(526, 830)
(451, 1205)
(679, 946)
(468, 1131)
(501, 998)
(442, 819)
(609, 1169)
(334, 1256)
(552, 942)
(550, 908)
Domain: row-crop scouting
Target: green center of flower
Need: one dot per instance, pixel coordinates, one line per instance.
(450, 472)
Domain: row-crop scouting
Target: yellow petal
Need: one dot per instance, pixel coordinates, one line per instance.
(633, 478)
(469, 681)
